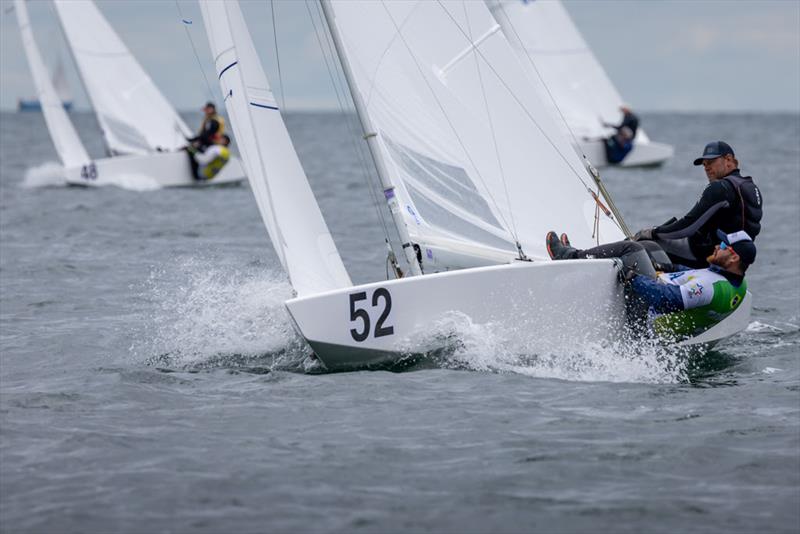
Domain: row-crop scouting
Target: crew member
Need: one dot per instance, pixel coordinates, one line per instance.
(621, 143)
(211, 129)
(731, 202)
(208, 163)
(688, 301)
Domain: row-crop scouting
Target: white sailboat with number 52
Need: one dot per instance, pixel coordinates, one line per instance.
(474, 172)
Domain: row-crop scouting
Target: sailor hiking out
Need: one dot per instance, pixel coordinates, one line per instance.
(207, 163)
(684, 302)
(731, 202)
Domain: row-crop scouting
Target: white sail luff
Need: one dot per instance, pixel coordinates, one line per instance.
(287, 205)
(65, 138)
(133, 114)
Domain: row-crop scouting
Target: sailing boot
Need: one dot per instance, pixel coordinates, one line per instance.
(557, 250)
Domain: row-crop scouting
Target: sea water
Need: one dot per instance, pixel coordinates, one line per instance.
(151, 380)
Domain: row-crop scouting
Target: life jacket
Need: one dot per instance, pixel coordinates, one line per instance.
(747, 215)
(708, 297)
(219, 120)
(215, 165)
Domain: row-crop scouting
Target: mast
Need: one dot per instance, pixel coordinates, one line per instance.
(371, 137)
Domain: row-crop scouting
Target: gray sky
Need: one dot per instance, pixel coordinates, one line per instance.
(709, 55)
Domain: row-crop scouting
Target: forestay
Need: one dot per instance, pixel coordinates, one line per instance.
(475, 155)
(133, 114)
(65, 138)
(285, 200)
(553, 51)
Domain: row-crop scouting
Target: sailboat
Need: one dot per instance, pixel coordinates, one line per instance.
(150, 157)
(563, 69)
(474, 171)
(62, 90)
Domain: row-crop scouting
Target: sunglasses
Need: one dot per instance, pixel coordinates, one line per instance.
(722, 245)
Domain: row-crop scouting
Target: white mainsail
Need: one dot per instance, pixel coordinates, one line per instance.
(60, 83)
(550, 47)
(287, 205)
(65, 138)
(133, 114)
(476, 157)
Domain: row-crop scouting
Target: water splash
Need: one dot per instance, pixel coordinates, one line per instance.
(134, 182)
(498, 348)
(207, 316)
(49, 174)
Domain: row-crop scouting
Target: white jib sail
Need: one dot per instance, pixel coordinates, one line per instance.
(475, 154)
(287, 205)
(65, 138)
(546, 41)
(133, 114)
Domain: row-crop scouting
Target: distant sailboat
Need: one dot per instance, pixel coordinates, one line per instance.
(62, 90)
(564, 70)
(138, 123)
(474, 171)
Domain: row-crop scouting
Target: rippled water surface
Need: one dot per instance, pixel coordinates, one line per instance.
(151, 381)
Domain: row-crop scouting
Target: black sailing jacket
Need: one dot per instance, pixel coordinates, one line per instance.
(730, 204)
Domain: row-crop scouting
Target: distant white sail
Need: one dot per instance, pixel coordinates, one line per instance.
(476, 156)
(133, 114)
(60, 83)
(65, 138)
(287, 205)
(544, 36)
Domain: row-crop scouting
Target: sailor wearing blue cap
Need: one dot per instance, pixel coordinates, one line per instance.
(731, 202)
(685, 301)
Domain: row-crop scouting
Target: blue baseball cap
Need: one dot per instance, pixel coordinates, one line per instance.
(714, 150)
(741, 243)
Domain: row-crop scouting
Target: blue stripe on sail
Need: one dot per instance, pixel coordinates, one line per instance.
(263, 106)
(226, 68)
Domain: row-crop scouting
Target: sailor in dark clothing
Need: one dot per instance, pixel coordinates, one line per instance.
(731, 202)
(621, 143)
(211, 130)
(629, 120)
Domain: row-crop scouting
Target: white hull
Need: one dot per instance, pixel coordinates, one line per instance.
(163, 169)
(547, 304)
(648, 154)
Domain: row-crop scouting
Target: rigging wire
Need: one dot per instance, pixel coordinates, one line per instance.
(330, 64)
(527, 112)
(446, 117)
(277, 55)
(186, 23)
(596, 175)
(494, 136)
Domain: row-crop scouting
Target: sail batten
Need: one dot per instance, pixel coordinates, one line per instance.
(287, 205)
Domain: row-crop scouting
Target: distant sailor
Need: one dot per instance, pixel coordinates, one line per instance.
(621, 143)
(686, 301)
(207, 164)
(731, 202)
(212, 127)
